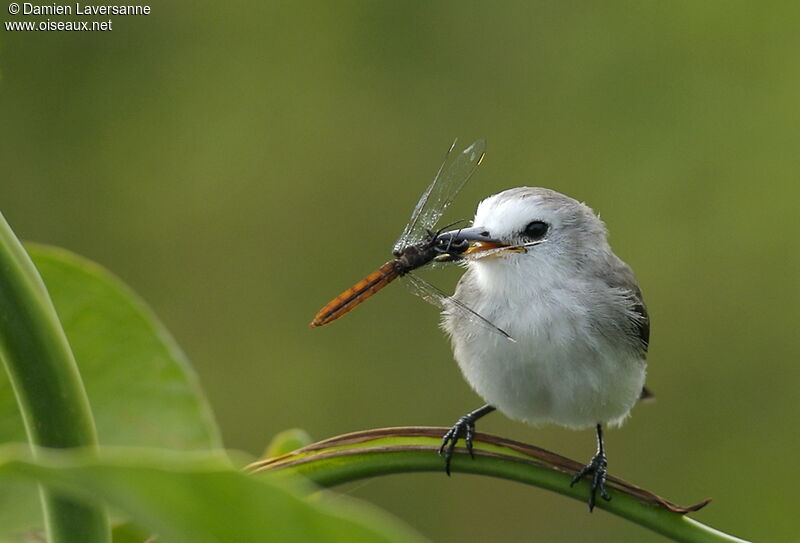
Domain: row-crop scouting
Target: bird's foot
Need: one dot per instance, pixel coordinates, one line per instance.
(464, 427)
(598, 468)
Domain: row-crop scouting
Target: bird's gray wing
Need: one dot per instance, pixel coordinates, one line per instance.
(643, 323)
(619, 275)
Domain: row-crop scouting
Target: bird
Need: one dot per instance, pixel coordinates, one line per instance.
(579, 324)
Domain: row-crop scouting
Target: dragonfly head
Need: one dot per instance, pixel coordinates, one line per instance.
(474, 239)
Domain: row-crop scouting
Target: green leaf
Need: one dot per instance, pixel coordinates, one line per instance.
(141, 388)
(199, 498)
(287, 441)
(128, 532)
(46, 382)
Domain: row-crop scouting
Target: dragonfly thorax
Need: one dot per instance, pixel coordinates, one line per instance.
(417, 255)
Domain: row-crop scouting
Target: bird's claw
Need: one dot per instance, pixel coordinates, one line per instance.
(464, 427)
(598, 467)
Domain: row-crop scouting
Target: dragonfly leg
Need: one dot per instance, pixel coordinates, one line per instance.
(464, 427)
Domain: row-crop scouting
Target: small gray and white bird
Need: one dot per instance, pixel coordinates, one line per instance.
(573, 307)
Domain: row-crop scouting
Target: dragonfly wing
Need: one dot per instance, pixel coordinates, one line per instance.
(440, 299)
(453, 174)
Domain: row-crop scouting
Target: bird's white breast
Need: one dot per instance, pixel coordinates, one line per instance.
(560, 369)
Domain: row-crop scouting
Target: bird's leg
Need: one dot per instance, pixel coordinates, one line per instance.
(598, 467)
(464, 427)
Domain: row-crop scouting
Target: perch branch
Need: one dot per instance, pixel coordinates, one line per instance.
(384, 451)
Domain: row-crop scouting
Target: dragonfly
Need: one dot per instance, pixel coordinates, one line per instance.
(419, 244)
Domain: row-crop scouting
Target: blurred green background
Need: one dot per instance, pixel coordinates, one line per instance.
(238, 164)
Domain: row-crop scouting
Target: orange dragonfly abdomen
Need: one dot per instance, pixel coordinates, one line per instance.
(350, 298)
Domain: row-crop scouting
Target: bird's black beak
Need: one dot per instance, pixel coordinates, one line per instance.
(473, 233)
(470, 240)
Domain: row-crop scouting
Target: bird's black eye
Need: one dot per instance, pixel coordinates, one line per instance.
(536, 230)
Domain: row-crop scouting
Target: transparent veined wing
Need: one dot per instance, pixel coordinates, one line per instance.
(440, 299)
(453, 174)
